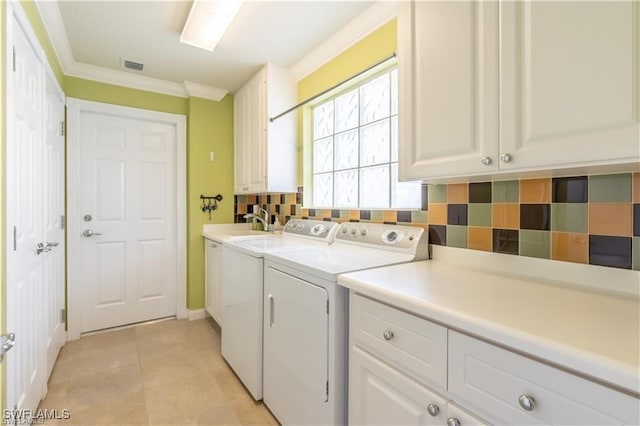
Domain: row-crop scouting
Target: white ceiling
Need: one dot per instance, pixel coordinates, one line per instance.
(100, 33)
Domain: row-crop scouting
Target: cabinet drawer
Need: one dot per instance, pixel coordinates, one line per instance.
(492, 380)
(413, 345)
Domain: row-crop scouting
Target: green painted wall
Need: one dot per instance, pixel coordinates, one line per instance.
(373, 48)
(210, 128)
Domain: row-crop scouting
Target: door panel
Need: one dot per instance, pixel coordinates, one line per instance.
(25, 268)
(127, 181)
(295, 349)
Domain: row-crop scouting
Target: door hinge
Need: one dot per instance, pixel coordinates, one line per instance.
(63, 315)
(14, 59)
(62, 128)
(15, 238)
(62, 221)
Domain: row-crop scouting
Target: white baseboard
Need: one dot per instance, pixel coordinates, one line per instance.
(196, 314)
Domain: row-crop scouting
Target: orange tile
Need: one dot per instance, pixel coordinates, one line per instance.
(438, 214)
(389, 216)
(304, 212)
(354, 214)
(636, 187)
(242, 209)
(570, 247)
(536, 191)
(480, 238)
(458, 193)
(290, 198)
(610, 219)
(506, 216)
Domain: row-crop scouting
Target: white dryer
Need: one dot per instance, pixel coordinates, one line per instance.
(242, 293)
(305, 324)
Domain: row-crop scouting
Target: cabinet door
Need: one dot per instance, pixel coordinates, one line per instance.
(380, 395)
(213, 288)
(250, 136)
(569, 83)
(448, 77)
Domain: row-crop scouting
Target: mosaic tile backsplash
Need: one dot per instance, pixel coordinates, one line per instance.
(582, 219)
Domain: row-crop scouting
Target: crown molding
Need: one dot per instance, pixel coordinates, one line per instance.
(202, 91)
(368, 21)
(54, 26)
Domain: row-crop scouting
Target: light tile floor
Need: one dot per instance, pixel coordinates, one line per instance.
(165, 373)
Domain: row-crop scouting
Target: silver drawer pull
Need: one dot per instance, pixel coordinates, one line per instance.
(388, 335)
(527, 402)
(453, 421)
(433, 410)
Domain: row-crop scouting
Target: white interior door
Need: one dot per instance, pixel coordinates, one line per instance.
(54, 260)
(123, 215)
(25, 230)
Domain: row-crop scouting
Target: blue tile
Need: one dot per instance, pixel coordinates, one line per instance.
(636, 220)
(506, 241)
(457, 214)
(535, 216)
(438, 235)
(610, 251)
(570, 189)
(403, 216)
(480, 192)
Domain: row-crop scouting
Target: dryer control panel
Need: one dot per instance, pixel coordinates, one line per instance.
(402, 238)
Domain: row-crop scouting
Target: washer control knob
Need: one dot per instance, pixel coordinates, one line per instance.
(318, 230)
(433, 410)
(388, 335)
(353, 231)
(344, 230)
(392, 237)
(363, 233)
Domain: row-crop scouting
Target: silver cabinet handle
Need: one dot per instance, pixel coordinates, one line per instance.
(506, 158)
(453, 421)
(486, 161)
(433, 410)
(527, 402)
(8, 342)
(388, 335)
(89, 233)
(51, 245)
(271, 310)
(213, 246)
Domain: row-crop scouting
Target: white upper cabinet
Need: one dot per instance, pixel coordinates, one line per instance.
(492, 87)
(265, 152)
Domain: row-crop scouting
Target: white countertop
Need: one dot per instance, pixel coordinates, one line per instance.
(587, 330)
(228, 231)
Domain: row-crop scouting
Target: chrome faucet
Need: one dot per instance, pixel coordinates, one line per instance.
(265, 220)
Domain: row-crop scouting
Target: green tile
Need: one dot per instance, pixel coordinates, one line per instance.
(242, 199)
(569, 217)
(437, 193)
(506, 191)
(636, 253)
(344, 214)
(419, 216)
(610, 188)
(479, 214)
(376, 215)
(457, 236)
(535, 243)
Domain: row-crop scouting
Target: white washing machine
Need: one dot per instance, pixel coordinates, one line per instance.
(242, 293)
(305, 318)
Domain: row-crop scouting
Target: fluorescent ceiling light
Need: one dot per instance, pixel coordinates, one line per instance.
(207, 22)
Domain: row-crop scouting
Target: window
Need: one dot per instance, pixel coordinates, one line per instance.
(355, 149)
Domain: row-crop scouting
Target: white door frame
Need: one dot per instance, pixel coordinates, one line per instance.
(74, 109)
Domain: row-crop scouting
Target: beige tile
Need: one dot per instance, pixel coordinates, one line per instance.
(536, 191)
(458, 193)
(610, 219)
(175, 337)
(96, 343)
(162, 369)
(506, 216)
(89, 362)
(128, 410)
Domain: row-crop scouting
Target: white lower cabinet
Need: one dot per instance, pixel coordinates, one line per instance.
(381, 395)
(388, 347)
(213, 280)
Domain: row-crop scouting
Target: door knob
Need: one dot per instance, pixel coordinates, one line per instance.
(89, 233)
(6, 343)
